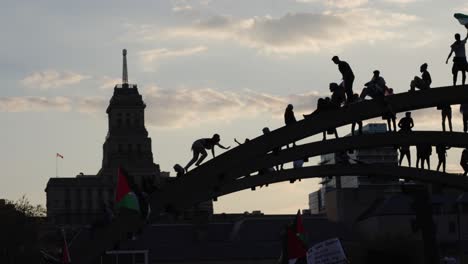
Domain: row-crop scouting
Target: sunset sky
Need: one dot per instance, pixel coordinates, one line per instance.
(203, 67)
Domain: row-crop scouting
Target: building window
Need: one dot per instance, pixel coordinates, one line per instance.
(452, 227)
(127, 119)
(119, 119)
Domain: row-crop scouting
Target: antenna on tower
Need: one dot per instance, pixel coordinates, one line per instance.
(124, 72)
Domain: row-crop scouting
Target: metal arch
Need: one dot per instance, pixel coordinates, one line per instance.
(370, 170)
(453, 139)
(236, 158)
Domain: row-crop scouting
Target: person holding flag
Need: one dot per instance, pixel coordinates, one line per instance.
(458, 47)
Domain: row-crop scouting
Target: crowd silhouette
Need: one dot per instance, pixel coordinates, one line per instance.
(342, 95)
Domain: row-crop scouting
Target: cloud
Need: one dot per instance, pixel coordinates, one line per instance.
(109, 82)
(189, 107)
(52, 79)
(150, 57)
(401, 1)
(299, 32)
(34, 104)
(338, 3)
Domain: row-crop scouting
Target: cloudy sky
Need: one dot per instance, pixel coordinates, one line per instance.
(203, 67)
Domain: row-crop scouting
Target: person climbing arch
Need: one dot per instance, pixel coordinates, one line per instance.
(199, 146)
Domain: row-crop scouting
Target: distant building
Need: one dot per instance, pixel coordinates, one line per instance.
(83, 199)
(376, 155)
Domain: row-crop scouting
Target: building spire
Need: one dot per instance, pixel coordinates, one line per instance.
(124, 72)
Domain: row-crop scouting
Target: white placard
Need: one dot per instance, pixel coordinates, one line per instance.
(326, 252)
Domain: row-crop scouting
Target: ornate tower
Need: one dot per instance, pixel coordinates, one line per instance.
(127, 143)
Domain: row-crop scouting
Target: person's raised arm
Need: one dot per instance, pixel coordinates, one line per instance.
(235, 140)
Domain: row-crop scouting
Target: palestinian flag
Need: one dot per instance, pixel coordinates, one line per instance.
(65, 253)
(462, 18)
(125, 197)
(294, 244)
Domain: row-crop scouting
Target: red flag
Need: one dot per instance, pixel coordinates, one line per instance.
(59, 156)
(65, 253)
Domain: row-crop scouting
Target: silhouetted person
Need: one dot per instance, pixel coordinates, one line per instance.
(179, 170)
(464, 161)
(338, 94)
(423, 154)
(276, 150)
(422, 83)
(459, 61)
(442, 155)
(464, 111)
(406, 123)
(446, 114)
(356, 100)
(199, 146)
(375, 88)
(348, 76)
(289, 118)
(245, 141)
(297, 164)
(390, 116)
(405, 151)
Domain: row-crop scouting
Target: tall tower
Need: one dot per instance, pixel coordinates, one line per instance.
(127, 143)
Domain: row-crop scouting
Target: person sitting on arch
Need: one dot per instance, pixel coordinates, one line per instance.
(289, 118)
(375, 88)
(464, 161)
(338, 94)
(405, 151)
(422, 83)
(459, 61)
(442, 155)
(406, 123)
(199, 146)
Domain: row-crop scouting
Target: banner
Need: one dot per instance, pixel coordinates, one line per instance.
(327, 252)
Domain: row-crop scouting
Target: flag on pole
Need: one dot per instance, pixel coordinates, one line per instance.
(59, 156)
(462, 18)
(65, 253)
(294, 244)
(125, 197)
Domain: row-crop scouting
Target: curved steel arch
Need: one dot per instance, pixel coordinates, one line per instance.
(371, 170)
(192, 196)
(237, 157)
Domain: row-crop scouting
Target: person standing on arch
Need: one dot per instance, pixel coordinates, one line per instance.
(348, 76)
(200, 146)
(459, 61)
(289, 118)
